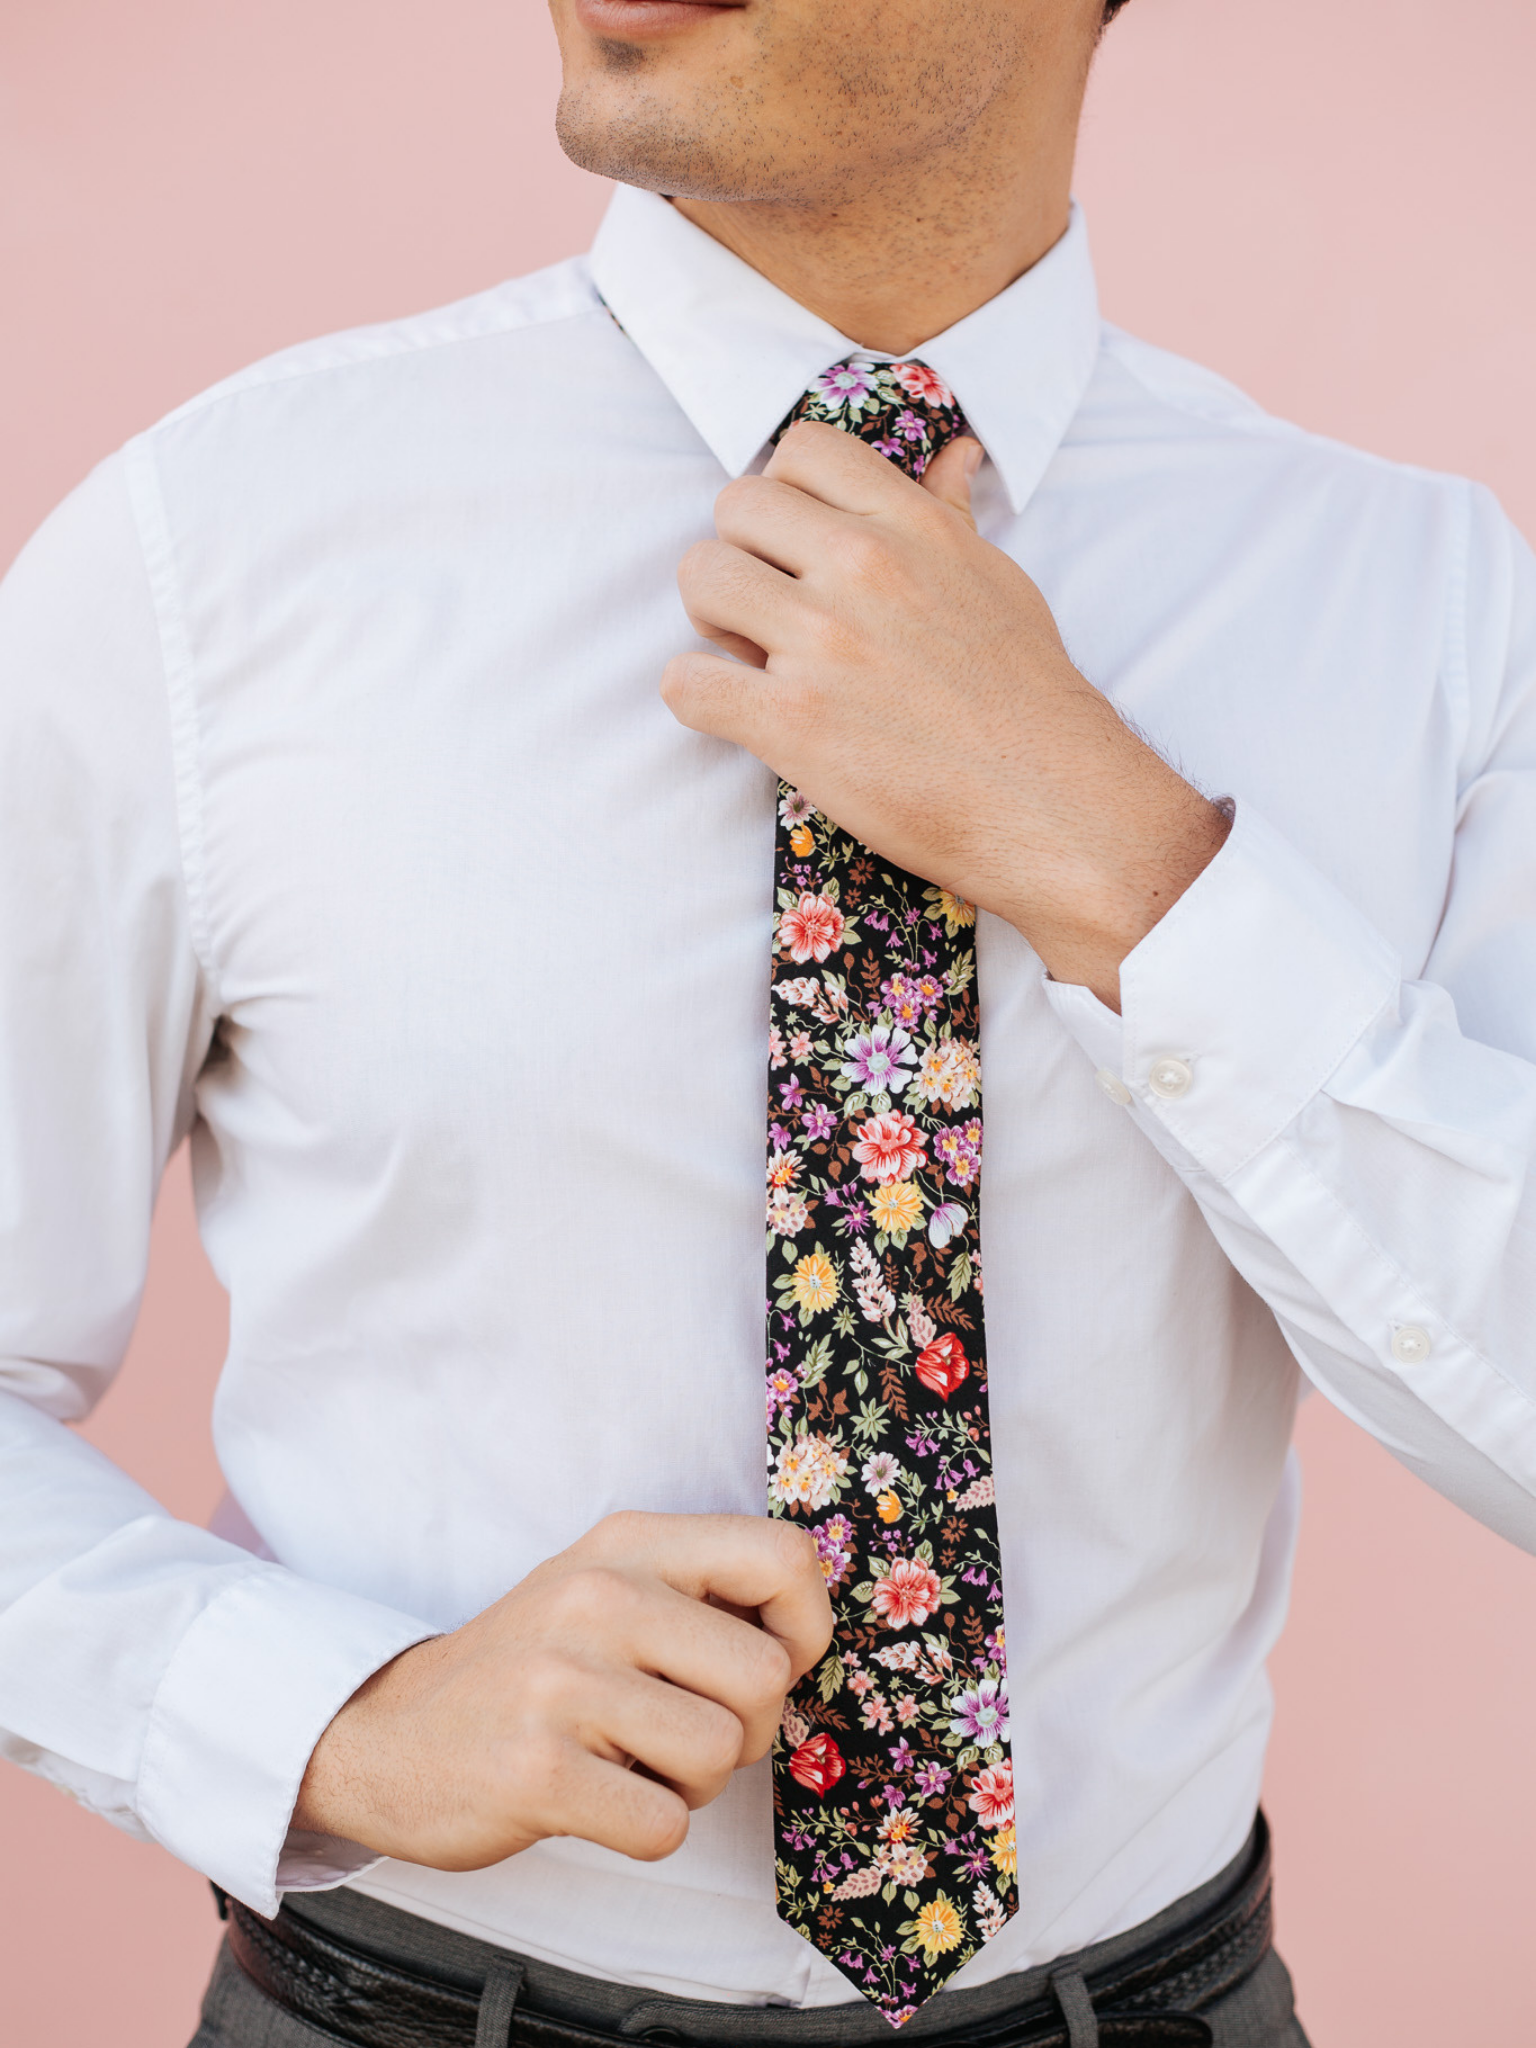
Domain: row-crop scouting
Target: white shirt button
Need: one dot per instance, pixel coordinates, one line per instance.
(1410, 1344)
(1170, 1078)
(1113, 1086)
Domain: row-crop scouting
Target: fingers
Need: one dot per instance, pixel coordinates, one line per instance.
(734, 598)
(735, 1663)
(775, 521)
(820, 512)
(951, 473)
(733, 1667)
(713, 695)
(839, 469)
(691, 1743)
(769, 1565)
(601, 1801)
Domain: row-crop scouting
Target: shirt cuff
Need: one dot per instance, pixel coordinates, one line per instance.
(1240, 1002)
(252, 1687)
(318, 1863)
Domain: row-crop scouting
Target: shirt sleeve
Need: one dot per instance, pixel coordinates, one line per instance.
(1361, 1138)
(168, 1680)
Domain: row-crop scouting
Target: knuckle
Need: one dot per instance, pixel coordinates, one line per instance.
(771, 1676)
(594, 1595)
(797, 708)
(795, 1548)
(737, 496)
(836, 640)
(861, 556)
(803, 434)
(716, 1745)
(698, 560)
(546, 1680)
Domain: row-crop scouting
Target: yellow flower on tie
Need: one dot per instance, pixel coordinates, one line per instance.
(954, 910)
(896, 1206)
(802, 841)
(815, 1283)
(1005, 1852)
(889, 1507)
(938, 1927)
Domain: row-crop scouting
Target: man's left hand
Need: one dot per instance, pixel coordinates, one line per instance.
(909, 678)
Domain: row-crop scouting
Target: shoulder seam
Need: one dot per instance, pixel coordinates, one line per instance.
(1259, 422)
(180, 688)
(1256, 419)
(282, 369)
(1457, 653)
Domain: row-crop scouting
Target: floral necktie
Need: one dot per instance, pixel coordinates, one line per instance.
(893, 1781)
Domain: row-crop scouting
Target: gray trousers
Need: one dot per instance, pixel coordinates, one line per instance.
(1259, 2014)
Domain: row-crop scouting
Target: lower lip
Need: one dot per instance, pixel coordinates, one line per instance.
(638, 20)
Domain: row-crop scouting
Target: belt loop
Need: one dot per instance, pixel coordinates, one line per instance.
(1076, 2009)
(493, 2028)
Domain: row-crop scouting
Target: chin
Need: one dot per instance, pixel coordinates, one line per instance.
(638, 140)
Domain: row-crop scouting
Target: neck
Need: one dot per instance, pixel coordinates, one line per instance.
(893, 262)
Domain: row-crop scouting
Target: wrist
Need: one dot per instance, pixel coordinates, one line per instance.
(1141, 859)
(338, 1794)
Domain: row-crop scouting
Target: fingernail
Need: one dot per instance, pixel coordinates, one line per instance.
(973, 454)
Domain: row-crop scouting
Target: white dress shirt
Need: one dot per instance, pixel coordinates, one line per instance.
(342, 825)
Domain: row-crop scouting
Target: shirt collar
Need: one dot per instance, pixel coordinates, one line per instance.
(736, 352)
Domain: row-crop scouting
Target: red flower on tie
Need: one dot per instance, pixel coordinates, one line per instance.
(942, 1365)
(817, 1765)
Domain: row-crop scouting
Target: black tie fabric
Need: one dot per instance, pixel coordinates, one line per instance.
(893, 1777)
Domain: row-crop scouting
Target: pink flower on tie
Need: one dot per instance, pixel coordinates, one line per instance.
(991, 1797)
(890, 1147)
(847, 387)
(879, 1058)
(810, 928)
(919, 382)
(909, 1593)
(981, 1714)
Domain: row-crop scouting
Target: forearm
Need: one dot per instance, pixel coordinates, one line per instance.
(1128, 837)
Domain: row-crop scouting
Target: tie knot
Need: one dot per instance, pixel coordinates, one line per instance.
(903, 410)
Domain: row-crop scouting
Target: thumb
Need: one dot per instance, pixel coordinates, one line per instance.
(949, 476)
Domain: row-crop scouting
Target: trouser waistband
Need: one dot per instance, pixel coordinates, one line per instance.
(380, 1978)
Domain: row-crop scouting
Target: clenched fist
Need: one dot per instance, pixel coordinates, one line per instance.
(529, 1720)
(909, 678)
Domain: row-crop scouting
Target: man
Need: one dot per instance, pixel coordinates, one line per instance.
(347, 829)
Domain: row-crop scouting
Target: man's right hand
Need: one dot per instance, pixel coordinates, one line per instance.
(526, 1721)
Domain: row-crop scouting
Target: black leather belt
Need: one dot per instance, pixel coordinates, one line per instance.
(1150, 1999)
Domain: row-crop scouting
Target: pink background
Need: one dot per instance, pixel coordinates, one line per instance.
(1327, 200)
